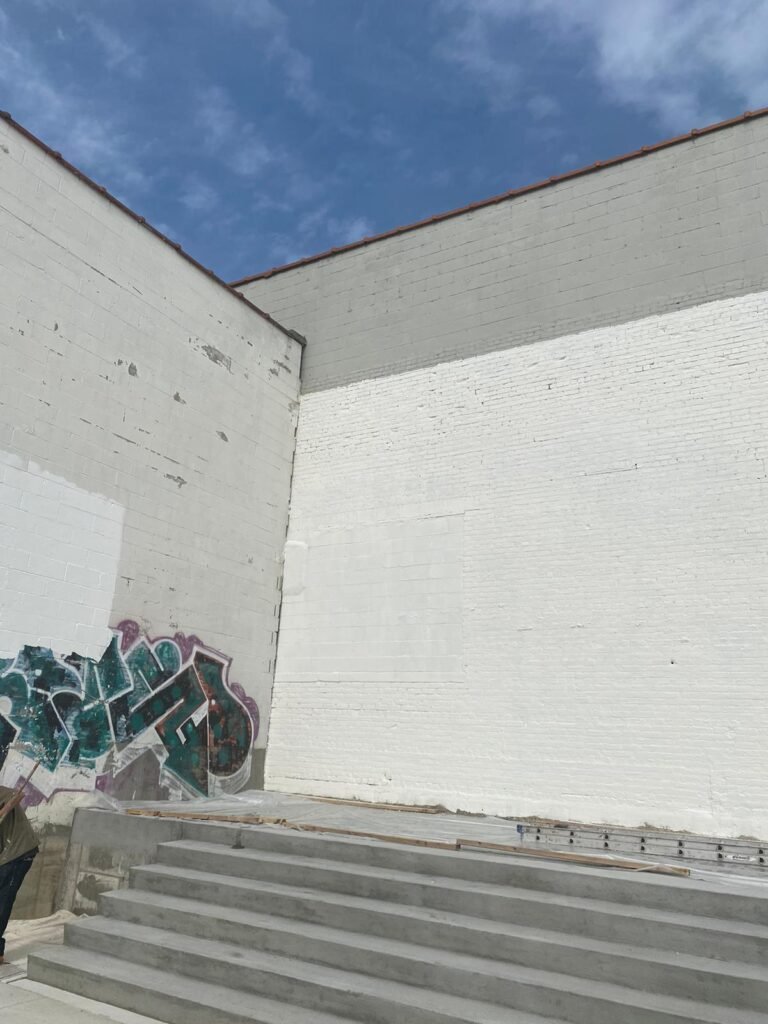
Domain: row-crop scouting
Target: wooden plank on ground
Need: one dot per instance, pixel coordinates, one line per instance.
(402, 808)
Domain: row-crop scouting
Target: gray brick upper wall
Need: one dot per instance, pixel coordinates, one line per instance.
(678, 227)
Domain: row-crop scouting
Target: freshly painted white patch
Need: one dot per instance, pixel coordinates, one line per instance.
(536, 581)
(59, 556)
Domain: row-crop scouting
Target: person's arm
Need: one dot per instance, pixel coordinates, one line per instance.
(13, 801)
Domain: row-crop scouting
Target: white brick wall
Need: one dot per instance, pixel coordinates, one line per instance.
(135, 389)
(535, 582)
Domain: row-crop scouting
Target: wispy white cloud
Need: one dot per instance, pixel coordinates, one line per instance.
(382, 133)
(217, 117)
(283, 184)
(118, 54)
(252, 157)
(270, 25)
(88, 137)
(471, 46)
(670, 56)
(350, 229)
(165, 229)
(232, 139)
(664, 57)
(542, 106)
(198, 195)
(299, 72)
(318, 229)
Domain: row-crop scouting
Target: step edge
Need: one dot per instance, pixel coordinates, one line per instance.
(453, 1005)
(646, 954)
(478, 856)
(575, 902)
(63, 956)
(470, 856)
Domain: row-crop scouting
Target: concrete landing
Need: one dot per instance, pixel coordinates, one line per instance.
(707, 857)
(27, 1002)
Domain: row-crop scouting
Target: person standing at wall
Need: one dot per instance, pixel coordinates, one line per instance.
(18, 848)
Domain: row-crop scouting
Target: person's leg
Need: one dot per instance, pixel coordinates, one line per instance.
(11, 877)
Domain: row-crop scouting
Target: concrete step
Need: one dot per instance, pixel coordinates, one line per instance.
(718, 899)
(241, 876)
(368, 1000)
(166, 997)
(374, 1000)
(453, 965)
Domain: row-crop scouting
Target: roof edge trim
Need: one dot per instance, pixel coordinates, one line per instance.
(503, 196)
(102, 191)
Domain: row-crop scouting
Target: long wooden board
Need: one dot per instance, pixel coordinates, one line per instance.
(401, 808)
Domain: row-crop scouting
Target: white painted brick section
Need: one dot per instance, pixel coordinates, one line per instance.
(59, 559)
(140, 385)
(535, 582)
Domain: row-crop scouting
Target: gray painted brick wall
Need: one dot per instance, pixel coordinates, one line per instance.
(147, 425)
(681, 226)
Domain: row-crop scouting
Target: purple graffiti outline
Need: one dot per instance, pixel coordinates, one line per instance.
(130, 633)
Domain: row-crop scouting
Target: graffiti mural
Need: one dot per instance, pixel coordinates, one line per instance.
(87, 721)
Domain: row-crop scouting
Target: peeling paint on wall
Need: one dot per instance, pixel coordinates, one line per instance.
(218, 357)
(89, 721)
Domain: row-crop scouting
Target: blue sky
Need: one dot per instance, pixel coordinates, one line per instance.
(258, 131)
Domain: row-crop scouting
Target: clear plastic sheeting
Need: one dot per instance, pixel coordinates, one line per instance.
(448, 827)
(24, 934)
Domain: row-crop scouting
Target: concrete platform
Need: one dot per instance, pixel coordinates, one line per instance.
(106, 845)
(706, 856)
